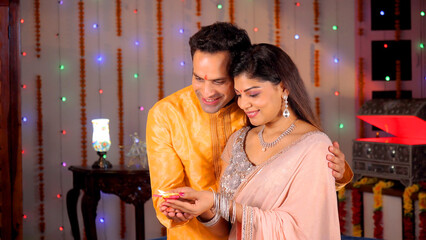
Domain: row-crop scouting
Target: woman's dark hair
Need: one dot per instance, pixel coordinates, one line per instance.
(220, 36)
(266, 62)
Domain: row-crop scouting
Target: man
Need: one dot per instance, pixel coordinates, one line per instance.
(187, 131)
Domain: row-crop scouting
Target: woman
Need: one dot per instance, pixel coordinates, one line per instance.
(263, 188)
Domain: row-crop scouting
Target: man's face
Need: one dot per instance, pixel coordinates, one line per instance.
(210, 80)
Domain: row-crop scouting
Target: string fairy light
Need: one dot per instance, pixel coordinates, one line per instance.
(277, 23)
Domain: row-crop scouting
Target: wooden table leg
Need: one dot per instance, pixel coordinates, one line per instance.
(140, 221)
(72, 198)
(89, 204)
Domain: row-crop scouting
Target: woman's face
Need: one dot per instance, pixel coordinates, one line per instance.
(261, 100)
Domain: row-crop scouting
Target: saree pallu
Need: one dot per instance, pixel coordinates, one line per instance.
(290, 196)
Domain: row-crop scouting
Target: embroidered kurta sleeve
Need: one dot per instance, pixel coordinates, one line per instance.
(304, 207)
(165, 167)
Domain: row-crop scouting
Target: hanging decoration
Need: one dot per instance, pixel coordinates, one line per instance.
(398, 78)
(318, 108)
(231, 12)
(83, 118)
(37, 26)
(422, 208)
(160, 60)
(121, 131)
(316, 68)
(342, 209)
(316, 21)
(397, 21)
(408, 225)
(198, 13)
(378, 204)
(357, 205)
(118, 16)
(361, 93)
(277, 22)
(40, 158)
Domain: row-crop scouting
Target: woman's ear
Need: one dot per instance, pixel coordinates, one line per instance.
(286, 92)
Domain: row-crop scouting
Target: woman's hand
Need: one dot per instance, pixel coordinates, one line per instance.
(191, 202)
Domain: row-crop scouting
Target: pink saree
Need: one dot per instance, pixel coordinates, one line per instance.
(290, 196)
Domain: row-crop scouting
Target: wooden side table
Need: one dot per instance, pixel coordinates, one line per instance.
(132, 186)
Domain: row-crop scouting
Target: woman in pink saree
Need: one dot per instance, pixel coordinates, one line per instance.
(275, 184)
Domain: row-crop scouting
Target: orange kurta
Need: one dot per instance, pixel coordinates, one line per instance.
(184, 145)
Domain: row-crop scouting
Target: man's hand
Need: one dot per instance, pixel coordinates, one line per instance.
(336, 161)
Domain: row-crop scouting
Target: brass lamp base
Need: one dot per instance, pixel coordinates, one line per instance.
(102, 162)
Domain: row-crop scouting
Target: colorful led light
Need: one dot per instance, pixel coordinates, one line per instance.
(182, 63)
(61, 228)
(61, 2)
(24, 86)
(335, 27)
(135, 11)
(137, 43)
(296, 36)
(421, 45)
(387, 78)
(99, 58)
(62, 67)
(181, 30)
(337, 93)
(24, 54)
(95, 25)
(298, 4)
(382, 13)
(135, 75)
(58, 195)
(23, 152)
(104, 156)
(22, 20)
(422, 13)
(101, 91)
(24, 216)
(63, 132)
(141, 108)
(63, 99)
(24, 119)
(219, 6)
(64, 164)
(385, 45)
(102, 220)
(336, 60)
(256, 29)
(341, 125)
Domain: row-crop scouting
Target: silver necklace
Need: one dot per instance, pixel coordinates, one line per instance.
(266, 145)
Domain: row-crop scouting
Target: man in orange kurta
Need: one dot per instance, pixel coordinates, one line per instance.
(187, 131)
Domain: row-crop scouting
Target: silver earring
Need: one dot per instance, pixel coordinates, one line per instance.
(286, 112)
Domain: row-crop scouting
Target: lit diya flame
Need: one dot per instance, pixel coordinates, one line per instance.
(167, 195)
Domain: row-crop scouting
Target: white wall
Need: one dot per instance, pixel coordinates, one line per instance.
(143, 91)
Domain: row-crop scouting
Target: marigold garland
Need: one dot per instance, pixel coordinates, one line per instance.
(342, 209)
(198, 13)
(397, 21)
(357, 205)
(40, 158)
(118, 16)
(277, 22)
(83, 118)
(316, 69)
(231, 12)
(318, 108)
(378, 204)
(361, 92)
(37, 26)
(121, 132)
(408, 211)
(422, 215)
(160, 60)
